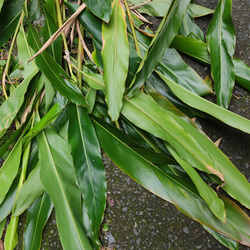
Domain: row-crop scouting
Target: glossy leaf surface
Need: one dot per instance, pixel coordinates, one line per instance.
(160, 43)
(37, 216)
(101, 9)
(193, 100)
(115, 56)
(171, 188)
(89, 169)
(221, 44)
(61, 186)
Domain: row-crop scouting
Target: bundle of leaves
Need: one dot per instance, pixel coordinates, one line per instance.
(131, 95)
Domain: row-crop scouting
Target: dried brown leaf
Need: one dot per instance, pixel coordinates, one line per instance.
(60, 30)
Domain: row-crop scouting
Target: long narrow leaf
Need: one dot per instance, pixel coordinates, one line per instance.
(11, 106)
(160, 43)
(115, 56)
(24, 53)
(172, 188)
(37, 217)
(31, 189)
(221, 44)
(202, 104)
(192, 146)
(198, 50)
(9, 169)
(61, 186)
(90, 172)
(54, 72)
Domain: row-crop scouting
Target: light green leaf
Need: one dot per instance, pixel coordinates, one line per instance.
(153, 8)
(221, 44)
(37, 216)
(199, 11)
(10, 108)
(9, 169)
(30, 190)
(87, 159)
(202, 104)
(24, 53)
(94, 80)
(215, 204)
(60, 183)
(115, 56)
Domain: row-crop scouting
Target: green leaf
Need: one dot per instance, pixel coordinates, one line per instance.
(227, 242)
(60, 183)
(160, 43)
(192, 47)
(199, 11)
(202, 104)
(192, 146)
(30, 190)
(157, 121)
(45, 121)
(153, 8)
(11, 236)
(115, 56)
(9, 17)
(176, 190)
(9, 169)
(54, 72)
(48, 30)
(101, 9)
(10, 108)
(24, 53)
(221, 44)
(8, 202)
(89, 169)
(173, 67)
(37, 216)
(94, 80)
(189, 27)
(215, 204)
(198, 50)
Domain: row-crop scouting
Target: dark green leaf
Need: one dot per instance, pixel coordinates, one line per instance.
(9, 16)
(90, 172)
(60, 183)
(37, 216)
(160, 43)
(101, 9)
(221, 44)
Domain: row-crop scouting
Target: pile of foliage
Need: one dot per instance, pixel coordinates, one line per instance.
(132, 95)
